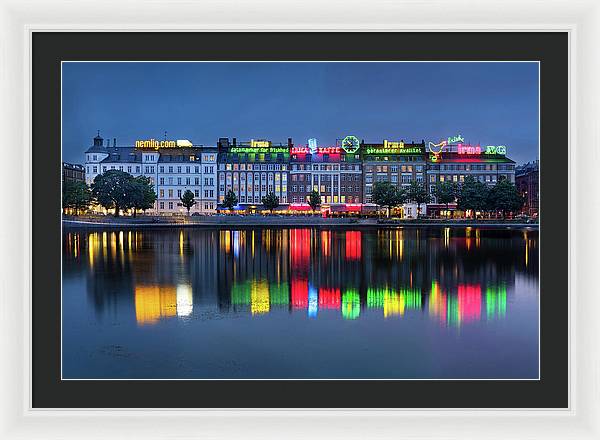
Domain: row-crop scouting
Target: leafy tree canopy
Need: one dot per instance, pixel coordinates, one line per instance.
(230, 200)
(187, 200)
(141, 194)
(76, 195)
(112, 189)
(270, 201)
(314, 200)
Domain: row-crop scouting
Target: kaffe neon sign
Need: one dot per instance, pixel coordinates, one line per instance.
(318, 150)
(153, 144)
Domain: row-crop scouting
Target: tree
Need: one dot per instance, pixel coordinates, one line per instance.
(230, 200)
(417, 193)
(505, 197)
(113, 189)
(141, 194)
(387, 195)
(270, 201)
(473, 195)
(445, 193)
(187, 200)
(314, 200)
(76, 195)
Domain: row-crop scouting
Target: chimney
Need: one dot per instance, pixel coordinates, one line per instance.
(234, 142)
(114, 142)
(290, 144)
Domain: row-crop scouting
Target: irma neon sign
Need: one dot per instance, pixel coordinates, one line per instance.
(393, 147)
(153, 144)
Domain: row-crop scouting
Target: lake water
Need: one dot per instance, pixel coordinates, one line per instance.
(300, 303)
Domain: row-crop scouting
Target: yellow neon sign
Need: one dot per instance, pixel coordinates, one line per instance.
(260, 144)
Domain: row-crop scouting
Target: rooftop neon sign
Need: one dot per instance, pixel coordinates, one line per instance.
(260, 144)
(153, 144)
(393, 147)
(455, 139)
(258, 150)
(477, 149)
(350, 144)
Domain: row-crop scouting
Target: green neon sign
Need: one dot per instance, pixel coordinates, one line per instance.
(350, 144)
(383, 150)
(256, 150)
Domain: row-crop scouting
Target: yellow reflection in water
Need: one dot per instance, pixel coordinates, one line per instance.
(93, 244)
(393, 304)
(526, 248)
(468, 237)
(153, 302)
(259, 297)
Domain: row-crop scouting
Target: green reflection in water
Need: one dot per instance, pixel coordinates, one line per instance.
(350, 304)
(495, 301)
(279, 294)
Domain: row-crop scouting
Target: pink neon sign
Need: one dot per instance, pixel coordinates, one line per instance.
(469, 149)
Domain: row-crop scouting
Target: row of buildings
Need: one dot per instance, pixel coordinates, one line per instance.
(343, 173)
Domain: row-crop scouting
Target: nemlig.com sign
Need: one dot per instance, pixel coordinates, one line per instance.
(153, 144)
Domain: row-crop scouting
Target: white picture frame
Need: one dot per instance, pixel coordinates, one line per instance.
(20, 18)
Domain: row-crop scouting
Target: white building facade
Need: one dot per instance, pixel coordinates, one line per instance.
(171, 170)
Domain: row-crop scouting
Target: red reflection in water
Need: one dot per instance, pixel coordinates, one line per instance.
(300, 248)
(329, 298)
(299, 288)
(353, 245)
(469, 302)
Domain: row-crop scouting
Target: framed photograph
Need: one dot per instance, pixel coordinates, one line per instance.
(289, 231)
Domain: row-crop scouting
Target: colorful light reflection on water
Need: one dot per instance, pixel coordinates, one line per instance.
(466, 282)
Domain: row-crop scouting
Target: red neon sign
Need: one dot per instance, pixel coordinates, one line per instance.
(300, 150)
(329, 150)
(469, 149)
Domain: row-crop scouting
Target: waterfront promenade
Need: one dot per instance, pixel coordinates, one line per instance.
(279, 221)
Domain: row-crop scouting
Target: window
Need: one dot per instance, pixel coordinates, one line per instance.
(170, 169)
(187, 170)
(170, 205)
(178, 169)
(129, 169)
(179, 181)
(170, 193)
(196, 193)
(188, 181)
(178, 193)
(95, 169)
(162, 205)
(161, 169)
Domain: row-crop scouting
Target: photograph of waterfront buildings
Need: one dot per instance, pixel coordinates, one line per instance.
(306, 221)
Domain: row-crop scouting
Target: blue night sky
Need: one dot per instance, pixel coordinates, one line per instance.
(487, 103)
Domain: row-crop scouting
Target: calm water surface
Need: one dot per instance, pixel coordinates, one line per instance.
(300, 303)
